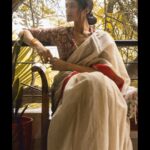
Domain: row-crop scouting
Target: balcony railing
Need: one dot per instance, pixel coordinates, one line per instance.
(118, 43)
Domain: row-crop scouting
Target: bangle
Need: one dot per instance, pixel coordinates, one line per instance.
(33, 42)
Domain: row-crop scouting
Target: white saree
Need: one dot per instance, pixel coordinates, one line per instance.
(92, 112)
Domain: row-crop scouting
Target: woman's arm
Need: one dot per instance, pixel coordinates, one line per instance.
(58, 64)
(35, 43)
(79, 68)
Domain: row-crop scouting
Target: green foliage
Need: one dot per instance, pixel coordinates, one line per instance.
(17, 88)
(15, 53)
(23, 71)
(18, 100)
(120, 22)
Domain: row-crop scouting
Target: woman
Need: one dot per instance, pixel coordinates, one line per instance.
(89, 111)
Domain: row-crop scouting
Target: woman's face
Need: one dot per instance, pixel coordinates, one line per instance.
(72, 10)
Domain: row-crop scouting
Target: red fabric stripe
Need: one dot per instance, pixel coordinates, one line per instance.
(106, 70)
(66, 81)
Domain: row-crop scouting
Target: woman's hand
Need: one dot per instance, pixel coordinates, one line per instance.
(44, 54)
(58, 64)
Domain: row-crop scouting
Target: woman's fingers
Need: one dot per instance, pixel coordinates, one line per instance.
(45, 55)
(49, 55)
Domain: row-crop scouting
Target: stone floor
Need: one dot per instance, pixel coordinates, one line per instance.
(134, 138)
(37, 131)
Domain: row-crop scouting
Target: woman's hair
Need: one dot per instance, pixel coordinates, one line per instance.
(83, 4)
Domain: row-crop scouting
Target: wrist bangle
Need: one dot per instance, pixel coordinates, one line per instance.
(33, 42)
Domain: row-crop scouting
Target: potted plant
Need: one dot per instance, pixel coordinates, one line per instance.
(21, 125)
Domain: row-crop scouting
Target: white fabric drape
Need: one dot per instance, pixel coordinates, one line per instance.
(92, 114)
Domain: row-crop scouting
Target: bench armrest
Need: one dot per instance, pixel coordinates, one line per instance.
(45, 104)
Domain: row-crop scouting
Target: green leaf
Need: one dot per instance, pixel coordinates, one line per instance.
(15, 89)
(23, 110)
(19, 100)
(15, 53)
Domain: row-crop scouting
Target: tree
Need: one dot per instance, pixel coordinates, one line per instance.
(118, 17)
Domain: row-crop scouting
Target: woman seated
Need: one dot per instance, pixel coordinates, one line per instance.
(89, 110)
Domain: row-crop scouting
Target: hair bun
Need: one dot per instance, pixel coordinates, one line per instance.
(91, 19)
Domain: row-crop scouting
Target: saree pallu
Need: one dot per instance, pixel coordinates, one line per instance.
(90, 112)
